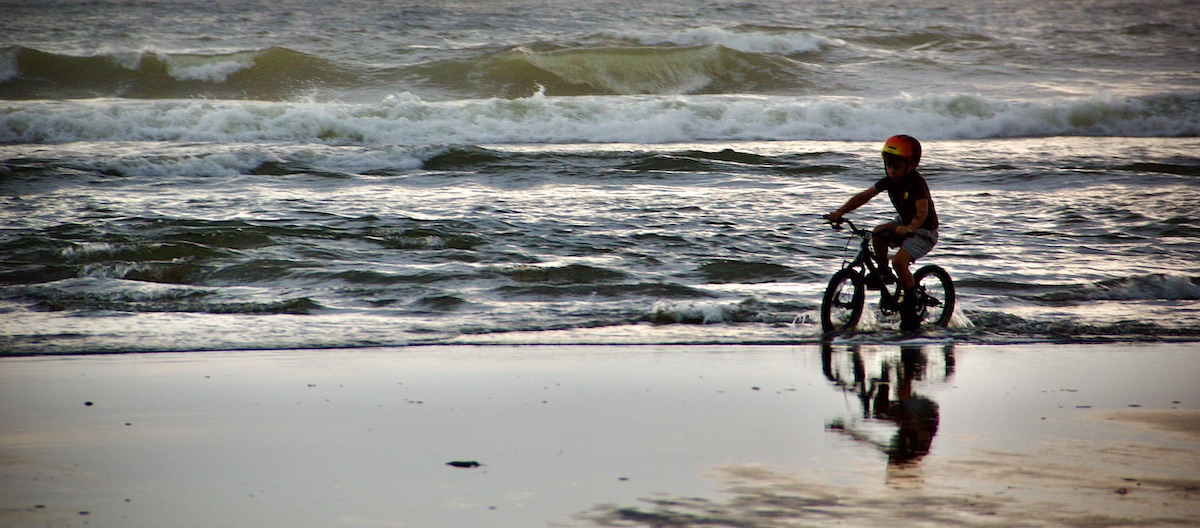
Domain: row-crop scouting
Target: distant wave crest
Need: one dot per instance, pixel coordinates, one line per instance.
(270, 74)
(784, 41)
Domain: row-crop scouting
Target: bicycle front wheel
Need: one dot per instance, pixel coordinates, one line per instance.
(843, 303)
(936, 301)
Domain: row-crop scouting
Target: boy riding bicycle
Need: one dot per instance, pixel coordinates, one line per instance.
(915, 228)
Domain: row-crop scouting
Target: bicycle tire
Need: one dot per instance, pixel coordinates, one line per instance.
(936, 285)
(841, 309)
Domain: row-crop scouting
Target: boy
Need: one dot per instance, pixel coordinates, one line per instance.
(915, 229)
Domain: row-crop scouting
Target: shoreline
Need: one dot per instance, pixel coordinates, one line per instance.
(895, 339)
(586, 435)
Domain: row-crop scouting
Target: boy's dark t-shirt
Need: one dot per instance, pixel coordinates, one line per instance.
(904, 197)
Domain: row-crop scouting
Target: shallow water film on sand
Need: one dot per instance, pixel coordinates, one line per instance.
(936, 435)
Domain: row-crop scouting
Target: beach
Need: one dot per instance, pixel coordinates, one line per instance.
(738, 435)
(445, 264)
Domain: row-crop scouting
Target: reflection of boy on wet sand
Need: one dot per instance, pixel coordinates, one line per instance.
(916, 416)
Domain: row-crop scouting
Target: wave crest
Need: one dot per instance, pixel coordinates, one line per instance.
(619, 70)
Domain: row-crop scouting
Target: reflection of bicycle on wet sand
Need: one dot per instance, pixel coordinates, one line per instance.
(885, 388)
(845, 297)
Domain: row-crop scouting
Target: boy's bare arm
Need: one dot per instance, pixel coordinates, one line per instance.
(853, 203)
(918, 219)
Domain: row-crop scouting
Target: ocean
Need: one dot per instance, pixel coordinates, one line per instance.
(250, 175)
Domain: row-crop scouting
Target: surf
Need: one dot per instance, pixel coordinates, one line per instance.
(406, 119)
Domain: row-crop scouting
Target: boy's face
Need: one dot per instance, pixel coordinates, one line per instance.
(896, 167)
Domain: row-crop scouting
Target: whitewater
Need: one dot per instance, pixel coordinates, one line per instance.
(245, 175)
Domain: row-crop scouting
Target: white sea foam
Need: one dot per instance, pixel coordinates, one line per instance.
(218, 161)
(82, 250)
(693, 312)
(192, 68)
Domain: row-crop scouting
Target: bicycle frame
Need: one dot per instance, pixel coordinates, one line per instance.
(845, 297)
(889, 301)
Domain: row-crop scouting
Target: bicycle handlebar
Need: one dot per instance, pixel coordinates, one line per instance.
(837, 226)
(865, 233)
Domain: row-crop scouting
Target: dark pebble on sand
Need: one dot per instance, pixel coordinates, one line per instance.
(88, 403)
(463, 464)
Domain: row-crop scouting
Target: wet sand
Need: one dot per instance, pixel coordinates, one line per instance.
(850, 435)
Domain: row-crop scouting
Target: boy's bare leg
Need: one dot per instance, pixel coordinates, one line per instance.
(901, 262)
(881, 245)
(908, 307)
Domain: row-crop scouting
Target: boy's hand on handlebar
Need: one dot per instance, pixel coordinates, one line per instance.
(834, 218)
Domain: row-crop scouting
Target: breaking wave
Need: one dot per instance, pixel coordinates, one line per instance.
(699, 60)
(1151, 287)
(406, 119)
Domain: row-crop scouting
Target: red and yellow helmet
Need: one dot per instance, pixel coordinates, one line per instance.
(906, 147)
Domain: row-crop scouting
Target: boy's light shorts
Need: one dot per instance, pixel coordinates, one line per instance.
(920, 243)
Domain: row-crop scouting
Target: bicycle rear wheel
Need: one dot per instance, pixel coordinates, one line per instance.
(843, 303)
(936, 301)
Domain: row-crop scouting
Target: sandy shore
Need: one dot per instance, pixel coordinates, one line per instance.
(879, 435)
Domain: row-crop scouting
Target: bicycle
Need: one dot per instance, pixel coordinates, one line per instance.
(845, 297)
